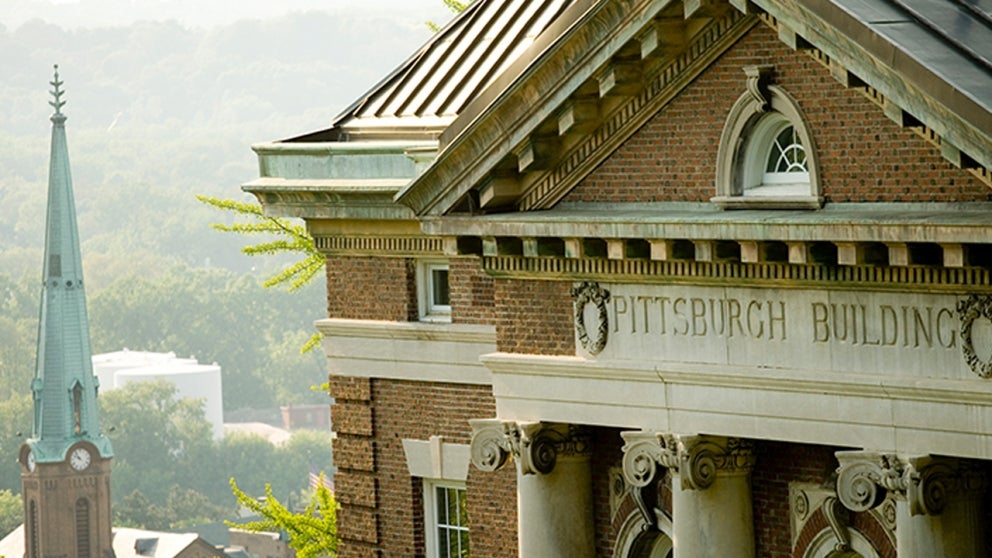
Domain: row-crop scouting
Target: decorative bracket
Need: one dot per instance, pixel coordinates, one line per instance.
(758, 78)
(836, 516)
(535, 446)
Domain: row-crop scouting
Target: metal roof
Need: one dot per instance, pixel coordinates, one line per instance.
(943, 46)
(432, 87)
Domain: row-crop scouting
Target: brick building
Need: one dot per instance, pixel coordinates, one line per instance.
(637, 278)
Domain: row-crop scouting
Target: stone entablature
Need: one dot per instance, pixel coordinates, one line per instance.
(884, 334)
(951, 235)
(900, 413)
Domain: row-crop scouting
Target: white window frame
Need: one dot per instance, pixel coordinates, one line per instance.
(429, 309)
(757, 181)
(748, 135)
(432, 526)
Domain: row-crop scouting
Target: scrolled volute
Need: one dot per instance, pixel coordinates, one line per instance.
(702, 458)
(865, 478)
(643, 454)
(490, 446)
(535, 446)
(933, 481)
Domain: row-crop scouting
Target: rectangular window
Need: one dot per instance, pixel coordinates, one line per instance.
(445, 520)
(435, 295)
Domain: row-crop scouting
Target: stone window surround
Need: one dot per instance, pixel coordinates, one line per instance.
(737, 151)
(438, 464)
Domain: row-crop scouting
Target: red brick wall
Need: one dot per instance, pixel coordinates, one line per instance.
(778, 464)
(864, 157)
(606, 444)
(492, 512)
(534, 317)
(471, 292)
(371, 288)
(381, 505)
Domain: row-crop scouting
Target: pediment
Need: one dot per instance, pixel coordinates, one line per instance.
(597, 82)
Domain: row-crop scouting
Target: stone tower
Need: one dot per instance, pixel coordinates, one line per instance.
(65, 464)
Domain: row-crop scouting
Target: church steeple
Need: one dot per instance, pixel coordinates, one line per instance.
(64, 387)
(66, 462)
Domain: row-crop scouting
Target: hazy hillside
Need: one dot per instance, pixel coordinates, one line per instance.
(159, 111)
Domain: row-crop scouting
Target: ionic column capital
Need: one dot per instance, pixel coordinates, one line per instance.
(925, 482)
(644, 452)
(698, 459)
(535, 446)
(703, 458)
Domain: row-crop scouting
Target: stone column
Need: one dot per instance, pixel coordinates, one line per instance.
(554, 483)
(938, 506)
(711, 489)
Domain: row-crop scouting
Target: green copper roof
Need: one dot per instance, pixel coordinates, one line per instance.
(64, 387)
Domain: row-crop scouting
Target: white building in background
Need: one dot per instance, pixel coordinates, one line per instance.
(192, 379)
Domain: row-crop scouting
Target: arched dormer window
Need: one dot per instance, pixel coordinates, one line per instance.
(766, 158)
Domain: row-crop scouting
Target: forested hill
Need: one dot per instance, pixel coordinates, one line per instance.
(159, 111)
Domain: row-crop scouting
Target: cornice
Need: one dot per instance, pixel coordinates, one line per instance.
(909, 92)
(744, 378)
(761, 275)
(545, 190)
(330, 198)
(886, 246)
(492, 135)
(837, 222)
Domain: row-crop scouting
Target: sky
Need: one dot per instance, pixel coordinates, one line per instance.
(204, 13)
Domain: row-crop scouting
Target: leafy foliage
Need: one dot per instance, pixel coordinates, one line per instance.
(161, 438)
(11, 512)
(453, 5)
(312, 533)
(290, 238)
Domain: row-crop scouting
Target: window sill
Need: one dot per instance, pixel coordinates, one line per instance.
(768, 202)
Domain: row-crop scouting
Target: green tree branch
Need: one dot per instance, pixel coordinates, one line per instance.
(312, 533)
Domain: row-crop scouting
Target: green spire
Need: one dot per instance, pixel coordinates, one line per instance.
(64, 387)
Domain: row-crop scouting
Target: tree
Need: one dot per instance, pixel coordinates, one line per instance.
(15, 423)
(453, 5)
(11, 512)
(312, 533)
(156, 436)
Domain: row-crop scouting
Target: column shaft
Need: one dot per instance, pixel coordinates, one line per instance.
(717, 521)
(555, 511)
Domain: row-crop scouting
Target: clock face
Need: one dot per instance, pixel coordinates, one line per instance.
(29, 461)
(79, 459)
